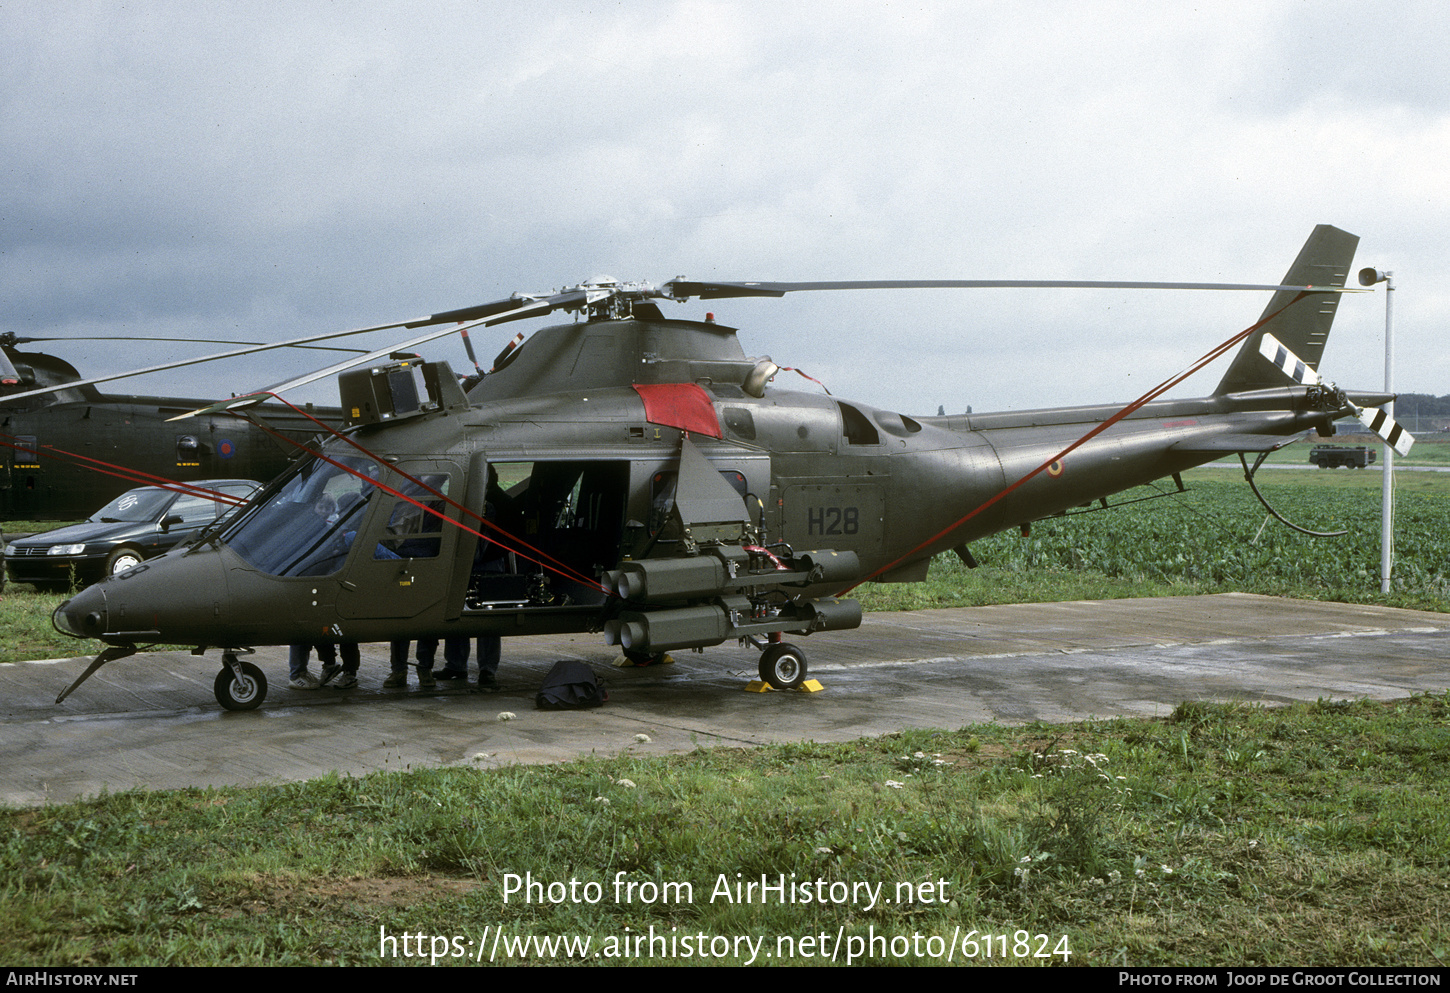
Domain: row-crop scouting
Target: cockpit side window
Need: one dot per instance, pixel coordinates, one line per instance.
(413, 532)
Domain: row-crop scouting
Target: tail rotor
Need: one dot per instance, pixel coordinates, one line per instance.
(1390, 431)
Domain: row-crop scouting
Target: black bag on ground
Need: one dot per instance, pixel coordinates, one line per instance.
(570, 685)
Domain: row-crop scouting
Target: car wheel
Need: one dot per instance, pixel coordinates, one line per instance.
(121, 560)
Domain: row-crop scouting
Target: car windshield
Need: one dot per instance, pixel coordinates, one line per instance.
(306, 527)
(144, 504)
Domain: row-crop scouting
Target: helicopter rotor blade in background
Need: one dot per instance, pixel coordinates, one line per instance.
(1386, 427)
(468, 347)
(497, 306)
(514, 342)
(523, 307)
(14, 340)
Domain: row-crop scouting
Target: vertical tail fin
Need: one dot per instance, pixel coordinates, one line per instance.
(1304, 327)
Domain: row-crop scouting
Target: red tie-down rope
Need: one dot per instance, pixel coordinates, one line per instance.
(544, 560)
(120, 472)
(791, 368)
(1152, 394)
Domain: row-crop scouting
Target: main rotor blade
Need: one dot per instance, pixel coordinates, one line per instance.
(521, 306)
(681, 289)
(537, 306)
(497, 306)
(521, 309)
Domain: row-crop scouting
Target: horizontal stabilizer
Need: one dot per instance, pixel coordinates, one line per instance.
(1229, 443)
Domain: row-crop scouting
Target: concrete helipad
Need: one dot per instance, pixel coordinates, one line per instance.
(151, 721)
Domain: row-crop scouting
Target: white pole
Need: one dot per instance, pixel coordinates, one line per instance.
(1387, 512)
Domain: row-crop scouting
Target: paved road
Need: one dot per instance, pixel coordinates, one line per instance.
(1296, 465)
(151, 721)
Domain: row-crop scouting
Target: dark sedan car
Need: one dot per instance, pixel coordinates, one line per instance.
(137, 525)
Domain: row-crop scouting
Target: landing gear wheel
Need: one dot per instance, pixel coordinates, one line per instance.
(783, 666)
(121, 560)
(245, 694)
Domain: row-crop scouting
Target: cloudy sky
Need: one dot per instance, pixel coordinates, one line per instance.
(267, 170)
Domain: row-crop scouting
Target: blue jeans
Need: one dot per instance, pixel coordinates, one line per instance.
(297, 656)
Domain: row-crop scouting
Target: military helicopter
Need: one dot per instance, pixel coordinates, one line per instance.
(67, 452)
(641, 477)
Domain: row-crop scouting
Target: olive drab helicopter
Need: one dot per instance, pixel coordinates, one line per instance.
(641, 477)
(67, 449)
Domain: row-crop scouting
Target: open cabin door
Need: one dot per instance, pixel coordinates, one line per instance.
(551, 528)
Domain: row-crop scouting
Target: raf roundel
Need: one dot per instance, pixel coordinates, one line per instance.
(225, 448)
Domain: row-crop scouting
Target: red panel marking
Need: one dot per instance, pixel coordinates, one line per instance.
(679, 405)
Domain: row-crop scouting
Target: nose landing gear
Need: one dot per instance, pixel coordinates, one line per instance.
(240, 685)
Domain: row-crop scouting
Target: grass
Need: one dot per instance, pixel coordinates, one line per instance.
(1309, 835)
(25, 619)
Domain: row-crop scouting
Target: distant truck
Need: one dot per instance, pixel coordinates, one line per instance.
(1348, 456)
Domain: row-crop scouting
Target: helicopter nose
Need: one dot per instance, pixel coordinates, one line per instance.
(83, 615)
(173, 598)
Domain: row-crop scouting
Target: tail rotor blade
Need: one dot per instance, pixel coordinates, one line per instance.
(1391, 432)
(1288, 363)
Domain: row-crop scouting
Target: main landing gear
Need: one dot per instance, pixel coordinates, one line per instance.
(783, 666)
(240, 685)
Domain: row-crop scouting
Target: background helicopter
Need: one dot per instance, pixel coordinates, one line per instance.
(66, 453)
(638, 476)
